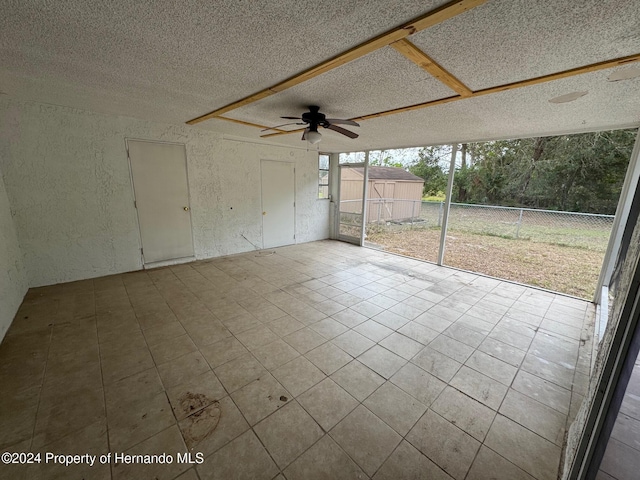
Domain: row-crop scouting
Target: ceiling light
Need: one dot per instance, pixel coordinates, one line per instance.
(313, 136)
(624, 74)
(568, 97)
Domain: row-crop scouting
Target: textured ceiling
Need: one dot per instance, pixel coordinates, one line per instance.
(172, 61)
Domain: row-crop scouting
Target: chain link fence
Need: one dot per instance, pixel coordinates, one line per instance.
(583, 230)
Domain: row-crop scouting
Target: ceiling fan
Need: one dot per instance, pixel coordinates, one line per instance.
(314, 119)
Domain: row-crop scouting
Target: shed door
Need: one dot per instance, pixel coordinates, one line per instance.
(159, 172)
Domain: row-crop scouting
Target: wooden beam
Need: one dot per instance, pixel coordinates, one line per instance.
(501, 88)
(417, 56)
(427, 20)
(557, 76)
(249, 124)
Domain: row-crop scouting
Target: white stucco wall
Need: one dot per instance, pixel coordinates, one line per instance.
(13, 280)
(67, 179)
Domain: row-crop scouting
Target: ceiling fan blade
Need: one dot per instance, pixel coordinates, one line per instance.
(343, 131)
(291, 118)
(340, 121)
(304, 134)
(278, 126)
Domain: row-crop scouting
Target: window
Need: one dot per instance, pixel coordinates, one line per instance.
(323, 175)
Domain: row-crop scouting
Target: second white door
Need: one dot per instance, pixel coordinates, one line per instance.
(278, 203)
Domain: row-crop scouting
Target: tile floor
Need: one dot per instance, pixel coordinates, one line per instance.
(621, 460)
(319, 361)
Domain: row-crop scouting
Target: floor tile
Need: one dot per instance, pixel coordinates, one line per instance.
(275, 354)
(138, 421)
(324, 460)
(407, 463)
(401, 345)
(358, 380)
(627, 430)
(260, 398)
(242, 459)
(446, 445)
(223, 351)
(488, 464)
(465, 335)
(304, 340)
(373, 330)
(502, 351)
(479, 387)
(183, 368)
(524, 448)
(382, 361)
(172, 349)
(395, 407)
(256, 337)
(464, 412)
(418, 383)
(328, 358)
(350, 317)
(288, 433)
(366, 438)
(368, 309)
(298, 375)
(327, 403)
(545, 392)
(89, 440)
(328, 328)
(353, 343)
(418, 332)
(195, 394)
(492, 367)
(213, 427)
(436, 363)
(166, 441)
(555, 373)
(451, 348)
(620, 460)
(285, 325)
(391, 320)
(540, 419)
(239, 372)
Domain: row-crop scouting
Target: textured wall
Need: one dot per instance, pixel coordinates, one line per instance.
(67, 179)
(627, 270)
(13, 280)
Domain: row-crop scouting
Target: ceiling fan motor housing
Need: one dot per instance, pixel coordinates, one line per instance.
(314, 118)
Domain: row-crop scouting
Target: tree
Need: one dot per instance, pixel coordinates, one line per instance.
(427, 166)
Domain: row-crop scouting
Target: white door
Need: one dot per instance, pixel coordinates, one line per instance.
(159, 172)
(278, 203)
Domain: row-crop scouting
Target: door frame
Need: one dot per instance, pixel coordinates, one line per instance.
(174, 261)
(365, 191)
(295, 198)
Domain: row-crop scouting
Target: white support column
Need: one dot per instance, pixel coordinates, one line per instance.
(365, 191)
(447, 204)
(334, 194)
(620, 221)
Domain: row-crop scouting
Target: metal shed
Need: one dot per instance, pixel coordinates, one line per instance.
(394, 194)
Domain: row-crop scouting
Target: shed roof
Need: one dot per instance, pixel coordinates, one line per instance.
(389, 173)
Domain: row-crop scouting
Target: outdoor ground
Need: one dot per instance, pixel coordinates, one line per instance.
(566, 269)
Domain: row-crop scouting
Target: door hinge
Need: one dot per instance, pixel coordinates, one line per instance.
(135, 204)
(141, 251)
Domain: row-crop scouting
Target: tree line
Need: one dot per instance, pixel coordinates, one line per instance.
(576, 173)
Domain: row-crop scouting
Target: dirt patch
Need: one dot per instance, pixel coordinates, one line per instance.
(559, 268)
(197, 427)
(190, 402)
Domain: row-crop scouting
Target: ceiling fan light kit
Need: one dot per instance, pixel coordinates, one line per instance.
(314, 119)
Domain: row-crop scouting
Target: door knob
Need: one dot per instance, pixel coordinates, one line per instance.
(264, 213)
(186, 209)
